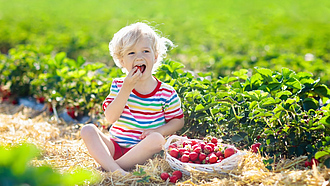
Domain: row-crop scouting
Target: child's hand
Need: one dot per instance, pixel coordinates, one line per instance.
(132, 78)
(146, 133)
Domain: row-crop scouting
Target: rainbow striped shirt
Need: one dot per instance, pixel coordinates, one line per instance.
(142, 112)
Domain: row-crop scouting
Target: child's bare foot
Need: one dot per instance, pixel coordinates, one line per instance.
(124, 173)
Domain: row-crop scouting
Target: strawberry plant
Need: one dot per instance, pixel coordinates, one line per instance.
(284, 111)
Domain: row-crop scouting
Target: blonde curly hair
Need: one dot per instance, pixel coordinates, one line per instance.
(128, 36)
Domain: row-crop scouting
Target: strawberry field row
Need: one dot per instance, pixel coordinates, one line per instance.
(287, 112)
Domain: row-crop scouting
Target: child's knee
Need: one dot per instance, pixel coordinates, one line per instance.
(87, 130)
(157, 140)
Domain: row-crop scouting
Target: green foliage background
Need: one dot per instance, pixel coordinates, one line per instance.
(217, 36)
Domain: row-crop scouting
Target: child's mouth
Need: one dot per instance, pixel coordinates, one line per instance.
(142, 68)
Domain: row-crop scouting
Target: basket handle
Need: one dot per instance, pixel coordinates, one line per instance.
(171, 138)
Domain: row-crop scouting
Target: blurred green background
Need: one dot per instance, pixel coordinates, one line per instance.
(211, 35)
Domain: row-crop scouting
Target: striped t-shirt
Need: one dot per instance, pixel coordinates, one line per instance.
(142, 112)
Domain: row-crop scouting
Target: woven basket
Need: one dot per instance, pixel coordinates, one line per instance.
(224, 166)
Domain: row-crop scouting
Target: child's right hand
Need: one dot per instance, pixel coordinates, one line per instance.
(132, 78)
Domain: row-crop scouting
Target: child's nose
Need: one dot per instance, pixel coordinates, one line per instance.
(139, 56)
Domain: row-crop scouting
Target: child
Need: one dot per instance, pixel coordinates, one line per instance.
(141, 109)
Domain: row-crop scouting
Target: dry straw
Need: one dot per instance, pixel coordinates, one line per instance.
(63, 149)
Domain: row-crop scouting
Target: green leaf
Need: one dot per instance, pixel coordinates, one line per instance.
(286, 93)
(320, 154)
(80, 61)
(286, 73)
(236, 138)
(199, 107)
(322, 90)
(59, 59)
(242, 74)
(293, 83)
(267, 102)
(310, 103)
(266, 74)
(326, 121)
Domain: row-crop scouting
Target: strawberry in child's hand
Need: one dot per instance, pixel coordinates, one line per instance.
(178, 174)
(164, 176)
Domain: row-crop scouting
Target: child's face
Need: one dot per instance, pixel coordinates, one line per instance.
(140, 55)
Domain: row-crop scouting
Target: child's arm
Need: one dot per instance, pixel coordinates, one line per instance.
(116, 107)
(167, 129)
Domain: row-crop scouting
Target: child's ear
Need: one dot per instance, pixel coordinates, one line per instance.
(156, 57)
(121, 61)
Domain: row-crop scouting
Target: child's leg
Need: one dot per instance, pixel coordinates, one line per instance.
(100, 147)
(144, 150)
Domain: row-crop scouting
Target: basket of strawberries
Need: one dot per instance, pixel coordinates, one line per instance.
(209, 154)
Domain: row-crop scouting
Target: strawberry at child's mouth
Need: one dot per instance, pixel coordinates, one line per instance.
(142, 68)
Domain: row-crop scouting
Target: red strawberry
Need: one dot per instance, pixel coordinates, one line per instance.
(314, 162)
(218, 154)
(197, 150)
(308, 164)
(185, 158)
(213, 158)
(173, 179)
(186, 152)
(229, 151)
(14, 102)
(178, 174)
(208, 149)
(194, 142)
(211, 144)
(198, 162)
(181, 151)
(173, 145)
(174, 153)
(164, 176)
(214, 140)
(185, 143)
(202, 156)
(41, 99)
(255, 147)
(202, 145)
(193, 156)
(195, 146)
